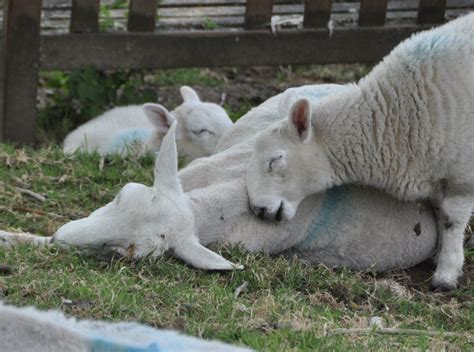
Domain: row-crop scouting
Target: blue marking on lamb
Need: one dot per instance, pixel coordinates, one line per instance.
(334, 206)
(128, 137)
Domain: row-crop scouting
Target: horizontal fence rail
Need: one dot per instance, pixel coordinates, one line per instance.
(245, 33)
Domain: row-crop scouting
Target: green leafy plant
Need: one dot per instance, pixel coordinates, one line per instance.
(209, 24)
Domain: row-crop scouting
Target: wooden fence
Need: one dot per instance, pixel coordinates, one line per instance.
(26, 49)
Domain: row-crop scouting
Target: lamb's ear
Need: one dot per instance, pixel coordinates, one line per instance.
(166, 166)
(195, 254)
(161, 118)
(286, 102)
(300, 120)
(189, 95)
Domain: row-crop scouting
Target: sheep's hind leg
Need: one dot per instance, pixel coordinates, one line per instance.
(455, 212)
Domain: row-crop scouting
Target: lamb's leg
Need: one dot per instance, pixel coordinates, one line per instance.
(455, 211)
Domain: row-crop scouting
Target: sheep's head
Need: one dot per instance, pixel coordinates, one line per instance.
(201, 124)
(287, 165)
(146, 221)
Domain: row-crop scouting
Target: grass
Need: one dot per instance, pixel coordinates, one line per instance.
(287, 305)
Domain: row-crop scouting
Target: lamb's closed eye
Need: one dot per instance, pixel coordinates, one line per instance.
(273, 161)
(202, 131)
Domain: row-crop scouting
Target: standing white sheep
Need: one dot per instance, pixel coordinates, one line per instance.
(139, 129)
(406, 128)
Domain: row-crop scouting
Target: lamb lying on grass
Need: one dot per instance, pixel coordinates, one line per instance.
(133, 218)
(407, 128)
(139, 129)
(350, 226)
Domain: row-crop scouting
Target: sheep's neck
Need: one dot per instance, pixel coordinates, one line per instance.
(366, 142)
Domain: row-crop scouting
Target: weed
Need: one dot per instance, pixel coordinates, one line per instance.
(209, 24)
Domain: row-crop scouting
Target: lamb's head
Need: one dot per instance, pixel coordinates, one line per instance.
(287, 165)
(146, 221)
(201, 124)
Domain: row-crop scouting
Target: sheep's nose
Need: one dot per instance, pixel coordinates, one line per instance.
(259, 211)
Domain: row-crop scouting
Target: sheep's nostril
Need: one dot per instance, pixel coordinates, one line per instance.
(261, 212)
(258, 211)
(279, 212)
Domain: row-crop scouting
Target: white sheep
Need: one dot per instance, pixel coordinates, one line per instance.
(336, 229)
(407, 128)
(139, 129)
(133, 219)
(30, 329)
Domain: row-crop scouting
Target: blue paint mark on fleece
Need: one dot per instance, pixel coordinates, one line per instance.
(317, 91)
(333, 207)
(128, 137)
(104, 345)
(432, 44)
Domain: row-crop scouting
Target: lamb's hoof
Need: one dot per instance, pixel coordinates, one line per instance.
(442, 287)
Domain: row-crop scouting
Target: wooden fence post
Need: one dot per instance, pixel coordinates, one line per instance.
(431, 11)
(373, 12)
(84, 16)
(142, 15)
(20, 54)
(258, 13)
(317, 13)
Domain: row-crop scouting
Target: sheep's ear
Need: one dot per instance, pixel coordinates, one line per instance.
(286, 102)
(166, 166)
(195, 254)
(189, 95)
(300, 120)
(161, 118)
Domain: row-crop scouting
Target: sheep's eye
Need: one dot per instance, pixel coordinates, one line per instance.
(162, 235)
(273, 160)
(202, 131)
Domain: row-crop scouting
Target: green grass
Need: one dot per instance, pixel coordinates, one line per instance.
(288, 305)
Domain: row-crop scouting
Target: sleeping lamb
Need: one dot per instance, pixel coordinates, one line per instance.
(407, 128)
(336, 228)
(139, 129)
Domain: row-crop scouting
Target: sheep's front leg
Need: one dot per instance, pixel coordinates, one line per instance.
(454, 213)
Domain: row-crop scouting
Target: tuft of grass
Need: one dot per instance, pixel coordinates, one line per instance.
(288, 305)
(210, 24)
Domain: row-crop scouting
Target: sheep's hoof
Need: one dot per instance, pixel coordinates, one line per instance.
(442, 287)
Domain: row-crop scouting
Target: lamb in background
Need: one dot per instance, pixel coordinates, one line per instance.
(336, 228)
(407, 128)
(139, 129)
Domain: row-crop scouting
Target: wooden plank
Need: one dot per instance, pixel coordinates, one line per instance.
(317, 13)
(21, 40)
(142, 15)
(431, 11)
(57, 21)
(189, 3)
(373, 12)
(84, 16)
(258, 13)
(220, 48)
